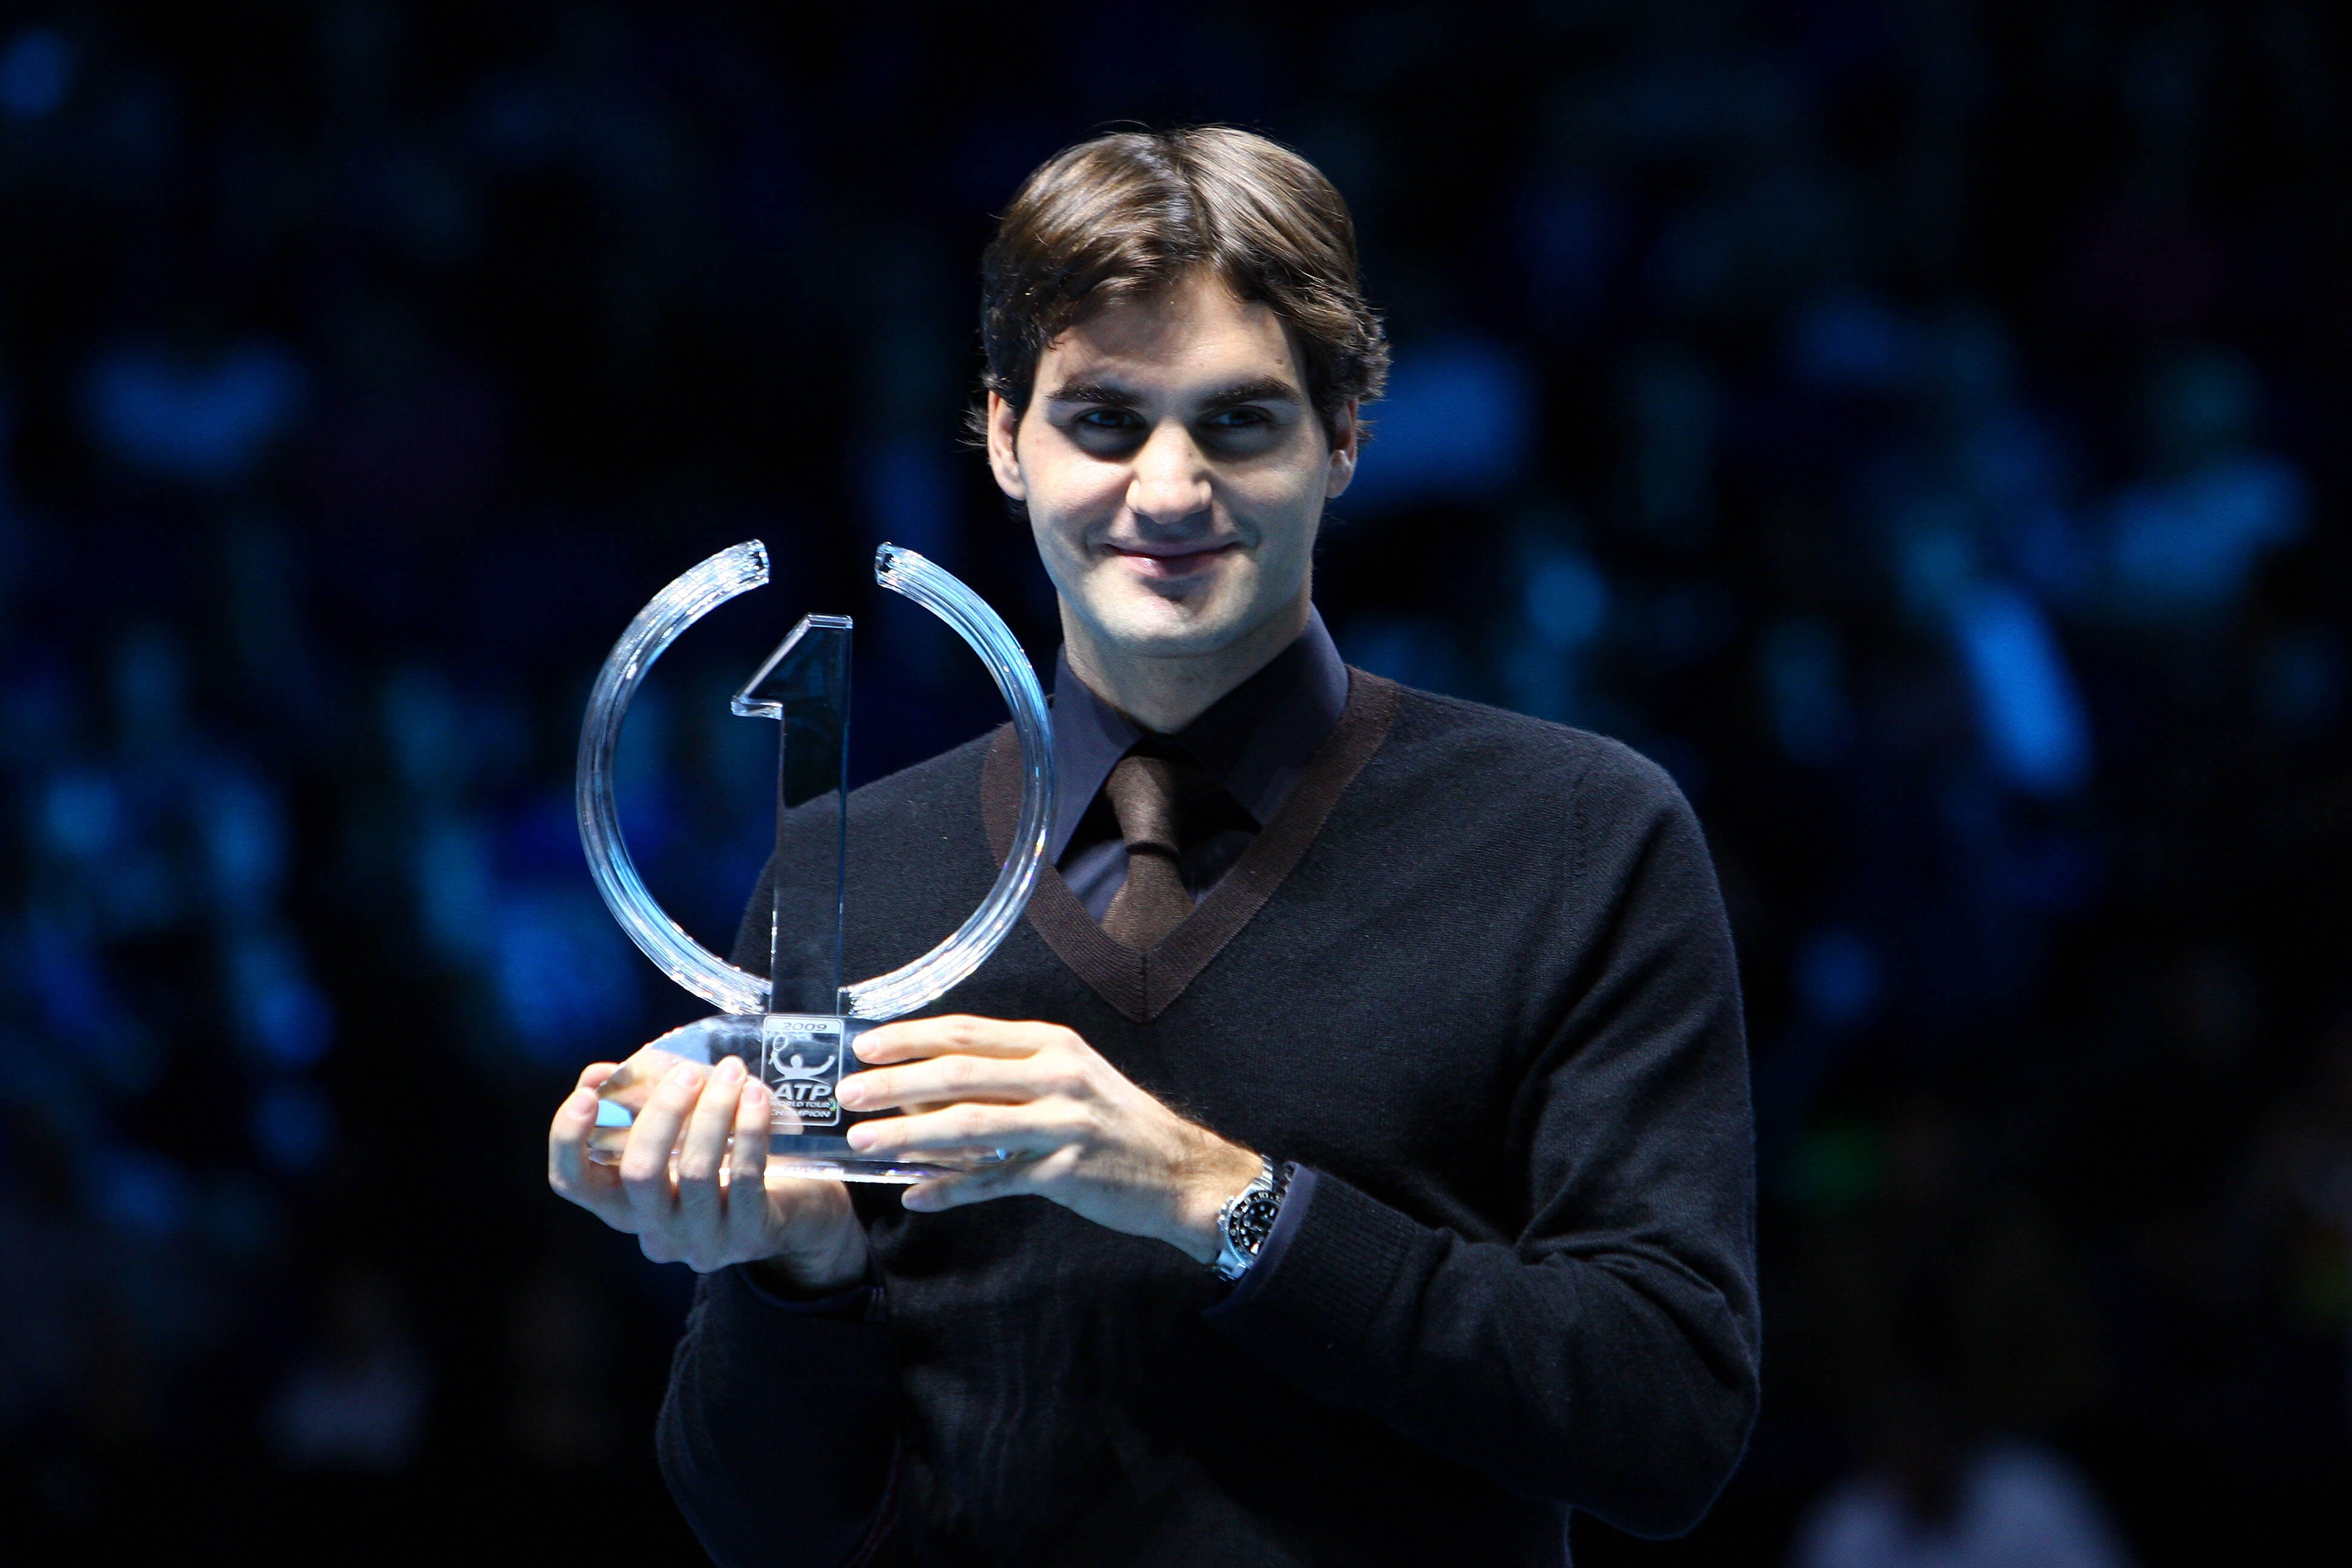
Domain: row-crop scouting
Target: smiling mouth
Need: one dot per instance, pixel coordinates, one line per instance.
(1161, 564)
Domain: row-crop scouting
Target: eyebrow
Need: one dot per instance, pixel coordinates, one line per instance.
(1110, 395)
(1101, 393)
(1266, 389)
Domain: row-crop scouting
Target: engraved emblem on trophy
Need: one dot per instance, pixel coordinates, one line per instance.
(798, 1031)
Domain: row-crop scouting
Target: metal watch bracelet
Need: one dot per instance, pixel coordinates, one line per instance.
(1248, 1218)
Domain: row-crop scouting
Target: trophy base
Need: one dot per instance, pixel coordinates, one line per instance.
(803, 1156)
(819, 1158)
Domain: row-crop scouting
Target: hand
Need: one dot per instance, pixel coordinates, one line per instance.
(692, 1183)
(1073, 1129)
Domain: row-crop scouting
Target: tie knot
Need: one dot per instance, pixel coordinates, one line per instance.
(1142, 791)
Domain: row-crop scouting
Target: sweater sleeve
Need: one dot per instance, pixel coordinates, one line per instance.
(1606, 1357)
(777, 1436)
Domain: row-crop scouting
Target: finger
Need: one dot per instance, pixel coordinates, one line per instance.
(969, 1188)
(909, 1039)
(1018, 1129)
(645, 1162)
(943, 1080)
(747, 1173)
(570, 1170)
(605, 1143)
(702, 1155)
(632, 1080)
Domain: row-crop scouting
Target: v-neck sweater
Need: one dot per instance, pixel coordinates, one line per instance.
(1475, 977)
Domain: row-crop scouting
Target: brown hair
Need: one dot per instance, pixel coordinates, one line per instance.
(1134, 212)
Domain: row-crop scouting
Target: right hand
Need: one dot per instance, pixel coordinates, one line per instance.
(696, 1153)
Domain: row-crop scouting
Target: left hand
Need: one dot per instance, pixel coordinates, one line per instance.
(1074, 1130)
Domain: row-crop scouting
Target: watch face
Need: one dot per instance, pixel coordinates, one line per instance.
(1252, 1217)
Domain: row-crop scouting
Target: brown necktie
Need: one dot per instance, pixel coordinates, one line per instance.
(1149, 904)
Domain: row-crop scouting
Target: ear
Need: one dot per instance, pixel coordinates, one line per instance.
(1003, 461)
(1346, 444)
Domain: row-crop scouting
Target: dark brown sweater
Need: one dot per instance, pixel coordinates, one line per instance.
(1474, 976)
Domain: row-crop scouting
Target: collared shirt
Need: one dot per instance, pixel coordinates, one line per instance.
(1255, 740)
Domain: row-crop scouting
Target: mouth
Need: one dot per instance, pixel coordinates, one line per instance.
(1163, 561)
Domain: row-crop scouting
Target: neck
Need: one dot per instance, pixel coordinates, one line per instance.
(1163, 694)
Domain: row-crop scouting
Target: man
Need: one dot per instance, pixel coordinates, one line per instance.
(1369, 1068)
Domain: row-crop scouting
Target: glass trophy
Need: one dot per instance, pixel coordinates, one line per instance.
(798, 1033)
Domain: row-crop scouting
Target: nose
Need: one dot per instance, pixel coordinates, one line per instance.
(1170, 484)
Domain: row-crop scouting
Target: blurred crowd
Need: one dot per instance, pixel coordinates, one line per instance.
(1906, 420)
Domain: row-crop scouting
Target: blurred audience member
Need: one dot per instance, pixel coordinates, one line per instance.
(356, 1399)
(1935, 1503)
(1958, 1323)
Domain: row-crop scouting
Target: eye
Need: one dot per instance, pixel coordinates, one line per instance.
(1107, 419)
(1240, 430)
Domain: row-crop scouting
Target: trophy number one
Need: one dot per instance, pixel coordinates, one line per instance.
(798, 1029)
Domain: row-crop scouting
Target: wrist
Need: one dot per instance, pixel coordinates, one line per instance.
(837, 1264)
(1218, 1177)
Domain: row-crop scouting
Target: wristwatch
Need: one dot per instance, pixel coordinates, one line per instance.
(1247, 1220)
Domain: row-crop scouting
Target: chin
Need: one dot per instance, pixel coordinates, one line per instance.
(1164, 628)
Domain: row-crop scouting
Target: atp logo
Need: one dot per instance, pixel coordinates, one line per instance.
(800, 1078)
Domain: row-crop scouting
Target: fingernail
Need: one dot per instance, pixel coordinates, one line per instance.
(729, 1069)
(582, 1103)
(851, 1094)
(859, 1137)
(686, 1074)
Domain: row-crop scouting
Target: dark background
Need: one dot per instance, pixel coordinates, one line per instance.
(1914, 423)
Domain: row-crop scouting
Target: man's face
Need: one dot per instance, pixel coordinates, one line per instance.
(1173, 471)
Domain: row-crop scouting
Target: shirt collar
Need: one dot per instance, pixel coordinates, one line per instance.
(1256, 740)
